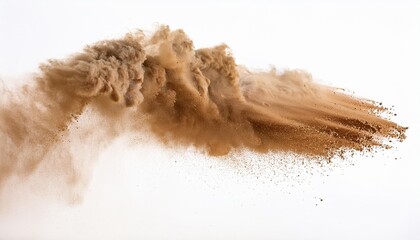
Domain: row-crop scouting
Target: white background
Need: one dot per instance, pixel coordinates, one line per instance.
(149, 192)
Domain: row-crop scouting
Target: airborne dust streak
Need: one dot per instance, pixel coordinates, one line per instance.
(187, 97)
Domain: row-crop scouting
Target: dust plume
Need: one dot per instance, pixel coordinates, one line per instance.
(184, 97)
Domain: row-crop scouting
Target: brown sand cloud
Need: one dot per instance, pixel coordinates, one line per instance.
(185, 97)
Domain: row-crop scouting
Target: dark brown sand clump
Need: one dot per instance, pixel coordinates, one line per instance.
(187, 97)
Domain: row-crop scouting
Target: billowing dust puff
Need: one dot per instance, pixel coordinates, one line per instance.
(188, 97)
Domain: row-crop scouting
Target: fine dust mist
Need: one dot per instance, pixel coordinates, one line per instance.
(183, 96)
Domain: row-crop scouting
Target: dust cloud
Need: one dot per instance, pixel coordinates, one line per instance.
(184, 97)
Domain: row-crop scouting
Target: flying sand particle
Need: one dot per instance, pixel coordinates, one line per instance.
(187, 97)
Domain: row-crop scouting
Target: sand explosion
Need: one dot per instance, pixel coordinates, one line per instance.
(187, 97)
